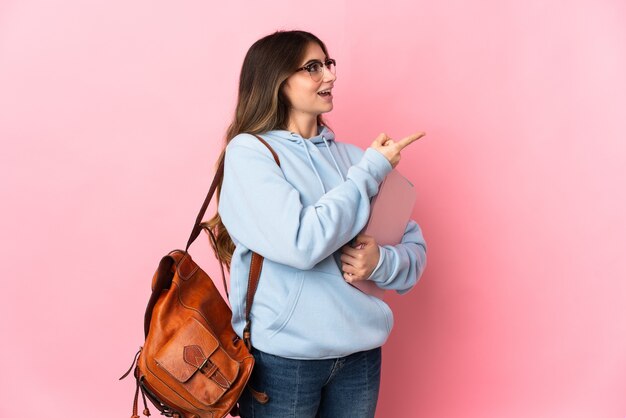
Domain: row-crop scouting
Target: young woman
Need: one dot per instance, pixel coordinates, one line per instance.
(316, 338)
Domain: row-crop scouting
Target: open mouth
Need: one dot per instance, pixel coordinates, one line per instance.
(325, 93)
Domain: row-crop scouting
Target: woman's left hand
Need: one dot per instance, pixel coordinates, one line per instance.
(359, 263)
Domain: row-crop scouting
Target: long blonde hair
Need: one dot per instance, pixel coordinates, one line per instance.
(261, 105)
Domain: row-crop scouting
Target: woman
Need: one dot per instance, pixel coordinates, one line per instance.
(316, 339)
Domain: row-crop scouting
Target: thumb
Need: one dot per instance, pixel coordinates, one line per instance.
(380, 139)
(364, 237)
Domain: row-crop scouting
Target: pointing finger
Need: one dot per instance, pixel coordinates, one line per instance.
(410, 139)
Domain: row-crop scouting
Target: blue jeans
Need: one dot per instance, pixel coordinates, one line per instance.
(344, 387)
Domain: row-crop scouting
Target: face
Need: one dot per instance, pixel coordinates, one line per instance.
(303, 91)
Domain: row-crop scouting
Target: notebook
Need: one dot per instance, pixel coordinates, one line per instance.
(390, 211)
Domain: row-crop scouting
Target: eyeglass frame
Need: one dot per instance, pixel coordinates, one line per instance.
(324, 66)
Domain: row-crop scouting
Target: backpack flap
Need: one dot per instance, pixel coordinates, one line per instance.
(195, 359)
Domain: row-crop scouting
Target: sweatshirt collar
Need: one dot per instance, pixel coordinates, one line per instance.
(323, 133)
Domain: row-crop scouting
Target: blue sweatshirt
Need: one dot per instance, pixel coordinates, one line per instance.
(298, 216)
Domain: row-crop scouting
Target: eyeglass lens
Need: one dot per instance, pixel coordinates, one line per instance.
(316, 70)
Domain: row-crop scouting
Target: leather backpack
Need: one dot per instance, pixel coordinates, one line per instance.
(192, 363)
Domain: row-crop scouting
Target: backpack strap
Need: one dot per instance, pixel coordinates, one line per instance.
(256, 263)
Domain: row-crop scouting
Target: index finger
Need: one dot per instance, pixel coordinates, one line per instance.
(410, 139)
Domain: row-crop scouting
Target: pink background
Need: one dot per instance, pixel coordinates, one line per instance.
(111, 116)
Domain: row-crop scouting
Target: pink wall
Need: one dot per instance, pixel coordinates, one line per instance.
(111, 115)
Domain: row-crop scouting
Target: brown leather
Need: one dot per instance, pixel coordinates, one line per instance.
(192, 363)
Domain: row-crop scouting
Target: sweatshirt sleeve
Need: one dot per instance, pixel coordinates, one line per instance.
(263, 211)
(401, 266)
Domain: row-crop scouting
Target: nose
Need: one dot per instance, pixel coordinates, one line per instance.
(328, 76)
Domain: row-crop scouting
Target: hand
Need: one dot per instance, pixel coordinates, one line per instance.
(390, 149)
(359, 263)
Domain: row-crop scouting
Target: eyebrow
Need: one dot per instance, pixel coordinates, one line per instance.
(313, 60)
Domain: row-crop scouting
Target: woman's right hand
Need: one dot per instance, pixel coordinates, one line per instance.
(390, 149)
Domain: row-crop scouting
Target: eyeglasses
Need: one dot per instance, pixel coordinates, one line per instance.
(316, 68)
